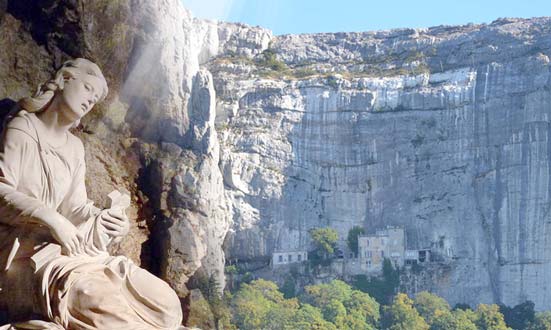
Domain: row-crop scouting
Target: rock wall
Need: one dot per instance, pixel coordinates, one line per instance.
(154, 136)
(445, 131)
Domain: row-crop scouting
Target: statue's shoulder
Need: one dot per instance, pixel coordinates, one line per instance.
(21, 125)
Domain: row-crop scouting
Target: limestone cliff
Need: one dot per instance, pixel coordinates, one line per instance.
(154, 136)
(445, 131)
(220, 128)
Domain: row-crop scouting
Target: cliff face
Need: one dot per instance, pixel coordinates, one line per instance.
(154, 136)
(226, 134)
(445, 131)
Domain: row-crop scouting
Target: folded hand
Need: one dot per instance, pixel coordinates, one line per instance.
(68, 236)
(115, 222)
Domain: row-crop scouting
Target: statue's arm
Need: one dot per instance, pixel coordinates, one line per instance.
(76, 205)
(16, 207)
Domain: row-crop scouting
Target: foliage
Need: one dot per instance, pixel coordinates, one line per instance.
(304, 72)
(288, 288)
(428, 304)
(402, 315)
(209, 286)
(343, 306)
(260, 305)
(247, 277)
(520, 316)
(488, 317)
(325, 240)
(390, 274)
(309, 317)
(542, 321)
(382, 289)
(254, 302)
(332, 81)
(448, 320)
(216, 303)
(232, 269)
(336, 305)
(200, 315)
(352, 239)
(462, 306)
(268, 59)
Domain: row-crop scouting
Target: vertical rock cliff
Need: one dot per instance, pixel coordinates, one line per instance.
(444, 131)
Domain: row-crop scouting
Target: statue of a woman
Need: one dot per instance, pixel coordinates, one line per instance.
(54, 266)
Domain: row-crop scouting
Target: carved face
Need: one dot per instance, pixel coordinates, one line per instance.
(79, 95)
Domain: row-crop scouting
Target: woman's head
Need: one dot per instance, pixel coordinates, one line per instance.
(79, 83)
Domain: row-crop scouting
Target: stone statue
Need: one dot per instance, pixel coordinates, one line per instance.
(54, 266)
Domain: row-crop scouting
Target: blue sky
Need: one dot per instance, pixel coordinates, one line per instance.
(307, 16)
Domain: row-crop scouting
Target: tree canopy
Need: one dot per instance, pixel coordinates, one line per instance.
(325, 240)
(352, 239)
(402, 315)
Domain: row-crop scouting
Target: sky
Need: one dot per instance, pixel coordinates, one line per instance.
(312, 16)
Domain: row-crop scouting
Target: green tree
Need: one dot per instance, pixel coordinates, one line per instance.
(488, 317)
(448, 320)
(343, 306)
(288, 287)
(402, 315)
(542, 321)
(352, 239)
(217, 304)
(309, 317)
(320, 294)
(268, 59)
(365, 306)
(325, 240)
(260, 305)
(427, 304)
(462, 306)
(520, 316)
(382, 289)
(231, 271)
(334, 312)
(253, 302)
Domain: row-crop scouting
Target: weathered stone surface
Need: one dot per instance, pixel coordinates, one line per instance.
(25, 65)
(151, 136)
(444, 131)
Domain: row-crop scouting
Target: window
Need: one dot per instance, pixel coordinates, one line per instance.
(290, 258)
(369, 262)
(382, 254)
(369, 254)
(280, 258)
(299, 257)
(367, 243)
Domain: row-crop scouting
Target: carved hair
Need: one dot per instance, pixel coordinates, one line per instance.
(69, 70)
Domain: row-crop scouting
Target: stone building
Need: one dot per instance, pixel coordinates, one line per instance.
(388, 243)
(417, 256)
(288, 257)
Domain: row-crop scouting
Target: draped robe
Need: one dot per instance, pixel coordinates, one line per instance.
(89, 291)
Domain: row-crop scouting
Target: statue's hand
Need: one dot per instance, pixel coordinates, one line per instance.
(115, 221)
(68, 236)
